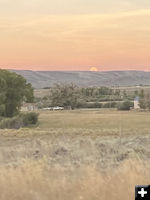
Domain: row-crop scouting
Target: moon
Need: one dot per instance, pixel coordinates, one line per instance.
(93, 69)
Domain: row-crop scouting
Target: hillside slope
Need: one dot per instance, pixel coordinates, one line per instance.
(40, 79)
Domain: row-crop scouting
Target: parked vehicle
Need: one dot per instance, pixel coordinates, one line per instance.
(58, 108)
(54, 108)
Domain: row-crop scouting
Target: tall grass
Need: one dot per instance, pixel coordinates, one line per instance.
(34, 180)
(64, 157)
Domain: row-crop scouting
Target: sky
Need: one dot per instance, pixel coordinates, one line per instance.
(75, 34)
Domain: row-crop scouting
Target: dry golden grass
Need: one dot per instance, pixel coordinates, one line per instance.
(76, 155)
(98, 122)
(38, 181)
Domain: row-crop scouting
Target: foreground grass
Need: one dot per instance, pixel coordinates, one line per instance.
(69, 157)
(38, 181)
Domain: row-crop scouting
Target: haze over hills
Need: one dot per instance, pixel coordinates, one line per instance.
(41, 79)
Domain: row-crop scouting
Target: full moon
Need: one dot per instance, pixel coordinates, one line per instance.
(93, 69)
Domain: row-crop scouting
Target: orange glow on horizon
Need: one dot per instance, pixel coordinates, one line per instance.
(93, 69)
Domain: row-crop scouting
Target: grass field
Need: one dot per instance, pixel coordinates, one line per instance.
(98, 122)
(78, 155)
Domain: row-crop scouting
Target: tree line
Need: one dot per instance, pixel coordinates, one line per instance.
(72, 96)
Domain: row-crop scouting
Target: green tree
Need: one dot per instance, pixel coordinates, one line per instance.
(126, 105)
(143, 103)
(13, 90)
(124, 94)
(141, 93)
(136, 93)
(65, 95)
(117, 92)
(148, 104)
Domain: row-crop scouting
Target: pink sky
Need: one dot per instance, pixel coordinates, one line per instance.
(114, 39)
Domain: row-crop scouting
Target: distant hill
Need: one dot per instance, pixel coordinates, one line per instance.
(41, 79)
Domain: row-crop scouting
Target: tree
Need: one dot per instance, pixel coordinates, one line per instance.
(13, 90)
(117, 92)
(136, 93)
(145, 102)
(141, 93)
(65, 95)
(124, 94)
(126, 105)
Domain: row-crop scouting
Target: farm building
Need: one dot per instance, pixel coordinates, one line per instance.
(28, 107)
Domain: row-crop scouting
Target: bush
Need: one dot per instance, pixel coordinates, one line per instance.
(11, 123)
(83, 104)
(80, 104)
(110, 105)
(19, 121)
(2, 110)
(93, 105)
(30, 118)
(126, 105)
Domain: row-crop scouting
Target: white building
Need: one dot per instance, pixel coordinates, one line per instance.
(28, 107)
(136, 103)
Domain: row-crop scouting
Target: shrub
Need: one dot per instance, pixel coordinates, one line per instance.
(126, 105)
(110, 105)
(30, 118)
(11, 123)
(93, 105)
(80, 104)
(2, 110)
(19, 121)
(83, 104)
